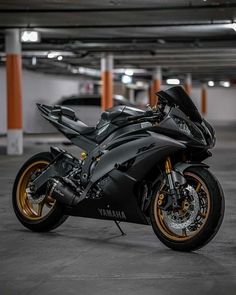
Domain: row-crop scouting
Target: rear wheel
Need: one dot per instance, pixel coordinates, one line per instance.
(199, 218)
(41, 213)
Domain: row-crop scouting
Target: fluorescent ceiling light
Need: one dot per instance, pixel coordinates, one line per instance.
(30, 36)
(140, 84)
(173, 81)
(89, 72)
(53, 54)
(126, 79)
(82, 70)
(211, 83)
(85, 71)
(34, 60)
(129, 72)
(161, 41)
(225, 83)
(74, 70)
(232, 26)
(135, 71)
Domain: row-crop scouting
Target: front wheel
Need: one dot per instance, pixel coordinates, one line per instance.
(199, 218)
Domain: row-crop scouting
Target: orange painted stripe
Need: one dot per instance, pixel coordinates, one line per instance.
(107, 90)
(204, 101)
(150, 93)
(14, 92)
(187, 88)
(156, 86)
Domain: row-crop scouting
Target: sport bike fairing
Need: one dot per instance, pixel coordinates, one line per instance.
(152, 144)
(136, 166)
(117, 142)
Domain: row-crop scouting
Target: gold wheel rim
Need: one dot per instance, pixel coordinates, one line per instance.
(27, 208)
(185, 235)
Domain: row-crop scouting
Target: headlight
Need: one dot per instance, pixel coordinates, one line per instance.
(182, 126)
(189, 129)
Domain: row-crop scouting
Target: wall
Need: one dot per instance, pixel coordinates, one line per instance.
(48, 89)
(221, 104)
(40, 88)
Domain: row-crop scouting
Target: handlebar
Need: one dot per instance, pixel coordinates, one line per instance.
(133, 118)
(148, 115)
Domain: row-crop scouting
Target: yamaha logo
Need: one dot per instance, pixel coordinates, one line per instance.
(112, 213)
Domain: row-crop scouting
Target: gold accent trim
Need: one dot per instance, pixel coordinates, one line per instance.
(83, 155)
(168, 165)
(159, 202)
(161, 197)
(26, 207)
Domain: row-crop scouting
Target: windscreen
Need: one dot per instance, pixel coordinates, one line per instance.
(177, 96)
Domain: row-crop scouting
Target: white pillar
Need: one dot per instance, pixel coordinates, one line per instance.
(204, 99)
(157, 74)
(131, 95)
(14, 92)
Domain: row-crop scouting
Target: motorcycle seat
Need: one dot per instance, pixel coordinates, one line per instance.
(111, 114)
(77, 125)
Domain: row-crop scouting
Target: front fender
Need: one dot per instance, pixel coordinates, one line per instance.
(182, 166)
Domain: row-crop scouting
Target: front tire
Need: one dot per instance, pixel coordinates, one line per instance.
(39, 217)
(210, 205)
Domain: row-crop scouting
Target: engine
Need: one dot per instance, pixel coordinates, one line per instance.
(68, 189)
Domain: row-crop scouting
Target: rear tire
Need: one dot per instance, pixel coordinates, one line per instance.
(27, 213)
(210, 224)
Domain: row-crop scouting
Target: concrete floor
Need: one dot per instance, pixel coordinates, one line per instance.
(86, 256)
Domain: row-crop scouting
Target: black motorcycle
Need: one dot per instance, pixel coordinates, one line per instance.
(136, 166)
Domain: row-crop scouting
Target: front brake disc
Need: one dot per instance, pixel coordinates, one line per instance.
(182, 220)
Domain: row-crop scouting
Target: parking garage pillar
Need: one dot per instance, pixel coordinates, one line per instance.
(188, 84)
(107, 81)
(14, 92)
(204, 99)
(155, 85)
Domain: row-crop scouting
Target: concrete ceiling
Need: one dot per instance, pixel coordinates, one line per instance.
(181, 36)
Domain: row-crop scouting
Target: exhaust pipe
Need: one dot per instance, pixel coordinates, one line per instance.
(62, 193)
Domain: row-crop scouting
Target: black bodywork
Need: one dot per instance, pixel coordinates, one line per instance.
(126, 152)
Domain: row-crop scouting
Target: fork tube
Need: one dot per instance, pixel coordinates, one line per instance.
(168, 165)
(168, 170)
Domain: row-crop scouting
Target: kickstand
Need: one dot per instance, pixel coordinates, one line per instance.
(117, 224)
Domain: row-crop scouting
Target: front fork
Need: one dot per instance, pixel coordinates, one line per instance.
(174, 180)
